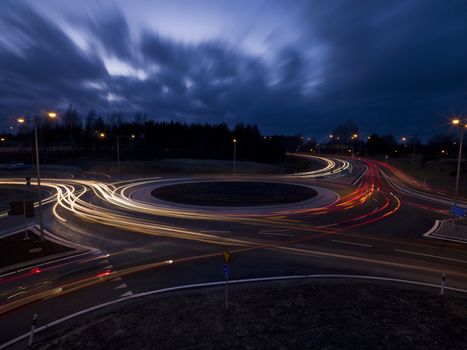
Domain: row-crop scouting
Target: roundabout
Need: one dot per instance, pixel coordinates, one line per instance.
(234, 193)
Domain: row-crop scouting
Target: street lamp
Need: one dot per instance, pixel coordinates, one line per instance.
(404, 139)
(22, 120)
(354, 137)
(234, 154)
(463, 126)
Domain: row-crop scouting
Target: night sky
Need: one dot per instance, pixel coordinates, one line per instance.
(292, 67)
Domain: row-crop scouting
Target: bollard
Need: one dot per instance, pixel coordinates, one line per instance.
(33, 327)
(443, 282)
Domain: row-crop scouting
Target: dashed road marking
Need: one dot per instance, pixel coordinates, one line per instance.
(352, 243)
(123, 285)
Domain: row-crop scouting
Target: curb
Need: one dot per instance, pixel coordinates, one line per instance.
(433, 229)
(219, 283)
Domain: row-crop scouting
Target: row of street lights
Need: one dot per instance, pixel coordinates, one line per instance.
(103, 135)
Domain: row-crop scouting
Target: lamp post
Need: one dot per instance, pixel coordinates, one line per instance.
(234, 154)
(22, 120)
(102, 135)
(354, 137)
(404, 139)
(457, 122)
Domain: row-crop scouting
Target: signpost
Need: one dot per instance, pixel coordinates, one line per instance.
(227, 256)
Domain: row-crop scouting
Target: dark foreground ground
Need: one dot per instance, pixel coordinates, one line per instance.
(15, 249)
(299, 315)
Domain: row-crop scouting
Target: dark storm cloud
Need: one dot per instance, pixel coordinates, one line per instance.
(399, 64)
(45, 69)
(392, 66)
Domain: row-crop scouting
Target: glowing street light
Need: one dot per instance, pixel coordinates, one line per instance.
(21, 120)
(102, 135)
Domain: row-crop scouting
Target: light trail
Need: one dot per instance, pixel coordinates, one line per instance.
(118, 208)
(332, 167)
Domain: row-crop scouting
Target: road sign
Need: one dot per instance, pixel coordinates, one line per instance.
(458, 211)
(227, 256)
(226, 271)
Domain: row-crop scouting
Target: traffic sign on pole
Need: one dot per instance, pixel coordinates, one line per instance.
(458, 211)
(227, 256)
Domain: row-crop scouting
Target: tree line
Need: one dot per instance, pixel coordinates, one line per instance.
(140, 139)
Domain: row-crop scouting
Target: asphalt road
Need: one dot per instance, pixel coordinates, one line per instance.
(374, 227)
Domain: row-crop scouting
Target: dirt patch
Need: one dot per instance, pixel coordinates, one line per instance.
(318, 315)
(234, 193)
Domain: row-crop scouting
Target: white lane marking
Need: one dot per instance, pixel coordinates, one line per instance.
(15, 295)
(352, 243)
(121, 286)
(108, 267)
(430, 256)
(127, 294)
(214, 231)
(217, 283)
(118, 279)
(275, 234)
(103, 262)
